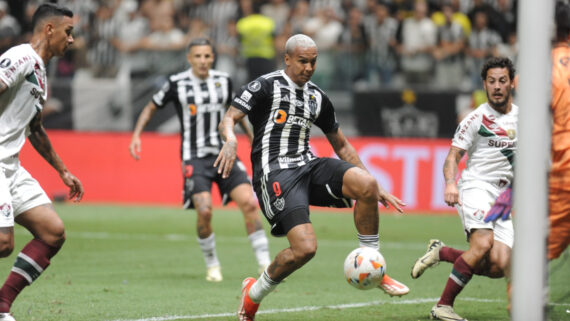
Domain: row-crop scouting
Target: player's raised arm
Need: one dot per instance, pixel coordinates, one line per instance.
(346, 152)
(144, 118)
(451, 194)
(41, 143)
(227, 155)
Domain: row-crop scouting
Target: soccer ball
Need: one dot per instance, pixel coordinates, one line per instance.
(364, 268)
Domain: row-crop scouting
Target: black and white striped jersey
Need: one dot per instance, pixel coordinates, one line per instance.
(282, 114)
(200, 105)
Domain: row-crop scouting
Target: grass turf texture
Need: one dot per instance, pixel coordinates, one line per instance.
(143, 263)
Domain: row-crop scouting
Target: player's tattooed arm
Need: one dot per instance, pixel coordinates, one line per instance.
(344, 149)
(451, 162)
(451, 194)
(227, 155)
(41, 143)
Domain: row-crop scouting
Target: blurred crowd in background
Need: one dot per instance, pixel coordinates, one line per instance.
(439, 44)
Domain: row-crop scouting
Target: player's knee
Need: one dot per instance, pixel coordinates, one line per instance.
(369, 188)
(305, 252)
(55, 235)
(204, 213)
(6, 247)
(249, 207)
(482, 247)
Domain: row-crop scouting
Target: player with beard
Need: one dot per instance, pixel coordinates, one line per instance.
(488, 135)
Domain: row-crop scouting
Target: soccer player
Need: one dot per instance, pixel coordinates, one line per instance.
(200, 96)
(282, 107)
(488, 135)
(23, 91)
(559, 192)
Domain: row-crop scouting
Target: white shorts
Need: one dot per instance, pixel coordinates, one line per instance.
(19, 192)
(476, 202)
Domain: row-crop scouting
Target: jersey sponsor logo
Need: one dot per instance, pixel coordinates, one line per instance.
(246, 96)
(279, 204)
(254, 86)
(287, 159)
(5, 63)
(6, 209)
(242, 103)
(37, 95)
(299, 121)
(280, 116)
(297, 103)
(501, 144)
(192, 109)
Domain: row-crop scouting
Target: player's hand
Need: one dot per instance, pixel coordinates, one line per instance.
(74, 184)
(388, 199)
(451, 194)
(135, 148)
(502, 207)
(226, 158)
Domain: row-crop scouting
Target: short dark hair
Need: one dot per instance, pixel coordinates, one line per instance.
(200, 42)
(498, 62)
(562, 19)
(48, 10)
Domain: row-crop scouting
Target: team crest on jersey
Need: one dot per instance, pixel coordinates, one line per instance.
(313, 103)
(6, 209)
(280, 116)
(279, 204)
(254, 86)
(479, 214)
(511, 133)
(5, 63)
(192, 109)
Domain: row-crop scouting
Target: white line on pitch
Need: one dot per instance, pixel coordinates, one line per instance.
(302, 309)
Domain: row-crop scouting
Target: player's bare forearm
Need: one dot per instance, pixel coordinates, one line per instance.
(451, 163)
(3, 87)
(144, 118)
(225, 160)
(246, 129)
(41, 143)
(344, 149)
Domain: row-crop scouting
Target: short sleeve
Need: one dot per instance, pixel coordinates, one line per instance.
(326, 120)
(466, 132)
(165, 94)
(250, 95)
(14, 67)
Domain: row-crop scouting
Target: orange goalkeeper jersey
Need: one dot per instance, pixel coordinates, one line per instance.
(560, 105)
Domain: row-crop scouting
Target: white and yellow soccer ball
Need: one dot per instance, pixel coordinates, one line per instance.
(364, 268)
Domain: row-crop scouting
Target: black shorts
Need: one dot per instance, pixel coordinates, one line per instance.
(285, 195)
(200, 173)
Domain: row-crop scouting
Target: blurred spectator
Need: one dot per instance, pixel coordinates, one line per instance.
(382, 55)
(458, 17)
(103, 43)
(353, 44)
(227, 54)
(481, 46)
(9, 28)
(278, 11)
(257, 34)
(299, 17)
(507, 9)
(166, 45)
(509, 49)
(325, 30)
(419, 35)
(495, 20)
(449, 72)
(131, 32)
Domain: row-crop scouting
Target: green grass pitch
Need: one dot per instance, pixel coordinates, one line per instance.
(143, 263)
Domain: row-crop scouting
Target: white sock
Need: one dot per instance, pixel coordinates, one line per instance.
(208, 246)
(260, 247)
(262, 287)
(372, 241)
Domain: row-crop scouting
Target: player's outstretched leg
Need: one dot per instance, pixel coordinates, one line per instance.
(429, 259)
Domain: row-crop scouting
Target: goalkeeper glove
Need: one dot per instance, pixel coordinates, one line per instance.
(502, 206)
